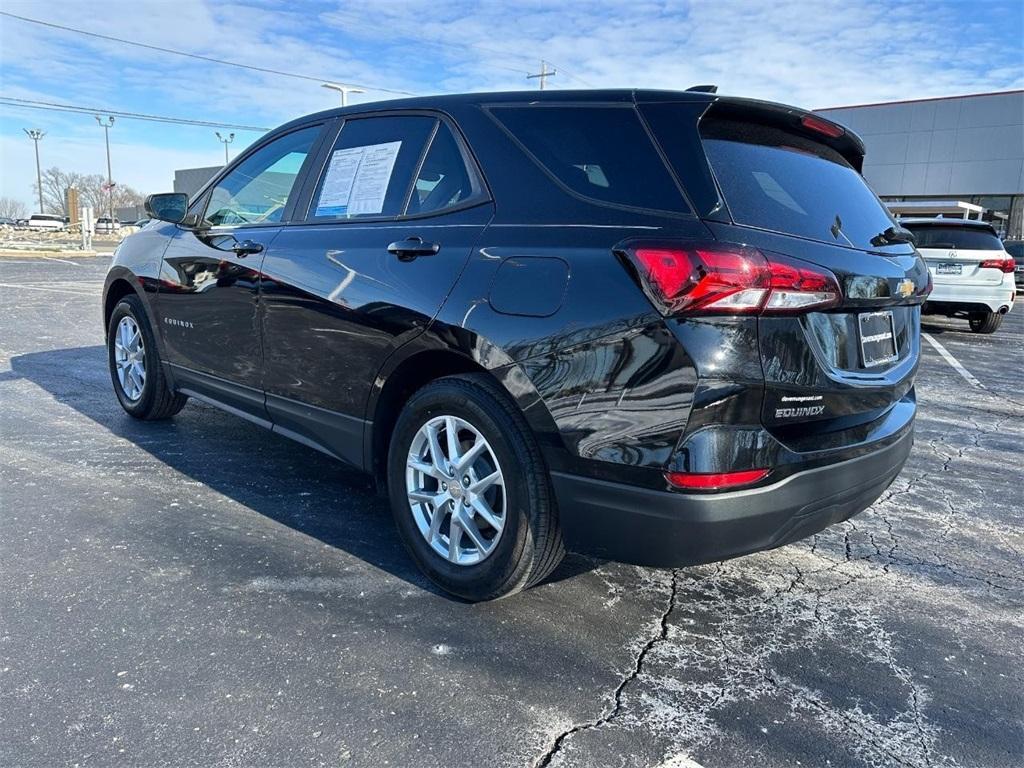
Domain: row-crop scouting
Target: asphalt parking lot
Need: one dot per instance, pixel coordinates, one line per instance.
(200, 592)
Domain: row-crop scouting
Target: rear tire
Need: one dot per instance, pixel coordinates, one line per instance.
(985, 322)
(147, 396)
(526, 544)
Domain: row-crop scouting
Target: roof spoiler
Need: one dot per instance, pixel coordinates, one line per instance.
(702, 89)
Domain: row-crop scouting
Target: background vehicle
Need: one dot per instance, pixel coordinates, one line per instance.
(1016, 249)
(971, 272)
(46, 221)
(106, 225)
(659, 327)
(7, 222)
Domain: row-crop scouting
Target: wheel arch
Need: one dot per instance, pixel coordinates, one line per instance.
(405, 374)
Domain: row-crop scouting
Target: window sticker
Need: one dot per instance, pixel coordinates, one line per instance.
(357, 180)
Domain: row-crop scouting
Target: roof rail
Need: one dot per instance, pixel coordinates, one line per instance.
(703, 89)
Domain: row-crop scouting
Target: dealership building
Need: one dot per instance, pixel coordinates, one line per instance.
(967, 149)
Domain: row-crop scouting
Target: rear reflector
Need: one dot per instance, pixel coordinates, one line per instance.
(720, 278)
(1003, 265)
(710, 481)
(825, 127)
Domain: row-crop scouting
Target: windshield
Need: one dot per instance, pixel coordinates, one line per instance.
(775, 180)
(954, 236)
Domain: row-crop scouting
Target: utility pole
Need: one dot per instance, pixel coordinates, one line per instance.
(35, 134)
(225, 142)
(106, 125)
(543, 75)
(344, 90)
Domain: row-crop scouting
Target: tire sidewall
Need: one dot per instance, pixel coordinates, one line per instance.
(501, 566)
(132, 307)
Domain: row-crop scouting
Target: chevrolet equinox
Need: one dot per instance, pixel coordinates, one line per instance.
(665, 328)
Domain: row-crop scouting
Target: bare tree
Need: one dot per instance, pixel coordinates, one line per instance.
(57, 182)
(12, 209)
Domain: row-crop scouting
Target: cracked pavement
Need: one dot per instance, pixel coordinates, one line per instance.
(201, 592)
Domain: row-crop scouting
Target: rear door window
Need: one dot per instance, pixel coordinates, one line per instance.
(954, 236)
(772, 179)
(370, 168)
(600, 152)
(444, 179)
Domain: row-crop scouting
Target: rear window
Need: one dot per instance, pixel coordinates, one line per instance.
(953, 236)
(600, 152)
(772, 179)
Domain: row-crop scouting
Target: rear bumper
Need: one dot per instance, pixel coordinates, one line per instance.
(996, 297)
(667, 529)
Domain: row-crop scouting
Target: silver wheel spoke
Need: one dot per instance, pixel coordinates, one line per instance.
(453, 440)
(461, 483)
(469, 528)
(473, 453)
(482, 485)
(454, 540)
(482, 508)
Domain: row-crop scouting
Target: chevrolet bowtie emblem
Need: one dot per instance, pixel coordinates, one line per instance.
(905, 288)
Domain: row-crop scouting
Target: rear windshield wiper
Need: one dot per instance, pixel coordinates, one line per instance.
(893, 236)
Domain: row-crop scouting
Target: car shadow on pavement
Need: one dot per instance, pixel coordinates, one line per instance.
(286, 482)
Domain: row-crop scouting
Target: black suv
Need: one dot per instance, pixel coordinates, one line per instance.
(660, 327)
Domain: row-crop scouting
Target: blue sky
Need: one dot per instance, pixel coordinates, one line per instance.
(812, 53)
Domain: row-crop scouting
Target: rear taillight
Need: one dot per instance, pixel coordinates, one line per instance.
(720, 278)
(704, 481)
(1003, 265)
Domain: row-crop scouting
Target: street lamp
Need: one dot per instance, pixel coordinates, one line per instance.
(344, 90)
(225, 142)
(35, 134)
(106, 125)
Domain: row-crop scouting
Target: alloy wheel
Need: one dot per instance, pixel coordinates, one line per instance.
(130, 358)
(456, 490)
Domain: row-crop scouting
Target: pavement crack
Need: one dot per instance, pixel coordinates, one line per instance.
(616, 707)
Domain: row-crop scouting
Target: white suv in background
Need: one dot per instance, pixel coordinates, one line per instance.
(46, 221)
(972, 273)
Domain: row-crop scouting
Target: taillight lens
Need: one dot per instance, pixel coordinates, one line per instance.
(825, 127)
(1003, 265)
(715, 481)
(720, 278)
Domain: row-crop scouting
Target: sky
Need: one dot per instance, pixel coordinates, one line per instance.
(811, 53)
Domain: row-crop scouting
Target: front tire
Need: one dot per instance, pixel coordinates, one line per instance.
(135, 370)
(985, 322)
(470, 492)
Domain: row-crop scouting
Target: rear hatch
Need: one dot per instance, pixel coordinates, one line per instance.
(788, 186)
(956, 252)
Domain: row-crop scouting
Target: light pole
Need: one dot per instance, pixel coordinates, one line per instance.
(35, 134)
(106, 125)
(225, 142)
(344, 90)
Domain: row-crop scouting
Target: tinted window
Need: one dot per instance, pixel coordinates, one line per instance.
(1016, 250)
(953, 236)
(370, 167)
(774, 180)
(443, 179)
(256, 191)
(602, 153)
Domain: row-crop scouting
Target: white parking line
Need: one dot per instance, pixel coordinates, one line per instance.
(952, 361)
(50, 290)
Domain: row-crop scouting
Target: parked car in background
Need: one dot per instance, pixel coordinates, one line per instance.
(6, 221)
(660, 327)
(46, 221)
(971, 272)
(107, 226)
(1016, 249)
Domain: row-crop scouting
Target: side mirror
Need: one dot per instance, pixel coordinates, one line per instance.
(168, 206)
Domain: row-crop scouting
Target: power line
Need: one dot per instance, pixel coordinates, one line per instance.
(224, 62)
(55, 107)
